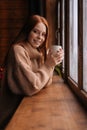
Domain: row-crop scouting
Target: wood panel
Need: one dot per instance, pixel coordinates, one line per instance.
(51, 15)
(13, 4)
(13, 14)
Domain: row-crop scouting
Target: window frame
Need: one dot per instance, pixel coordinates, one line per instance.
(77, 88)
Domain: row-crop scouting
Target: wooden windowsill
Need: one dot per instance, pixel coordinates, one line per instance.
(54, 108)
(82, 95)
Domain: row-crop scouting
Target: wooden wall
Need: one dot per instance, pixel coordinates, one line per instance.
(13, 14)
(51, 15)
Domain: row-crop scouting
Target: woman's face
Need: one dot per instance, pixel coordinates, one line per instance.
(37, 35)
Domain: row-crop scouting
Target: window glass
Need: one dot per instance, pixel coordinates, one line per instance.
(58, 13)
(73, 40)
(63, 29)
(61, 26)
(85, 45)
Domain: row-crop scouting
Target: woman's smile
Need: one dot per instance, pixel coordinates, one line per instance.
(37, 35)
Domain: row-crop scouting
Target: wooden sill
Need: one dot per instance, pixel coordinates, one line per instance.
(82, 95)
(54, 108)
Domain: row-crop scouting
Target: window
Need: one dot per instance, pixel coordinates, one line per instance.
(73, 40)
(61, 25)
(73, 37)
(85, 45)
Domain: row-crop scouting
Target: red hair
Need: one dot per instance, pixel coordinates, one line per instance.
(30, 24)
(24, 33)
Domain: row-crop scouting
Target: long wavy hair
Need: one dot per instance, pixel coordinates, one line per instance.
(22, 37)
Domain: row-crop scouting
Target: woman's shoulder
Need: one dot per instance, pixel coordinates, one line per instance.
(18, 52)
(18, 48)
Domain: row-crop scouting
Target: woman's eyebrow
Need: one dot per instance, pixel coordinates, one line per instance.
(40, 30)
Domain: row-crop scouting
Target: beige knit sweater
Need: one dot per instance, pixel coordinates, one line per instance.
(26, 75)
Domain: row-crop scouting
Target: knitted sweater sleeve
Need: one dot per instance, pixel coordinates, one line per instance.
(20, 76)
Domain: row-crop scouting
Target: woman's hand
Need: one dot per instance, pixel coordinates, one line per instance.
(54, 59)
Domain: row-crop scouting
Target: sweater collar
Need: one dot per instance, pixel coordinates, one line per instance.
(33, 52)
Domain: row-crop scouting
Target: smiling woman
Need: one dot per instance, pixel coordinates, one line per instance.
(28, 67)
(37, 35)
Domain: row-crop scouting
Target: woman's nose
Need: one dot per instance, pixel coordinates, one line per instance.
(40, 36)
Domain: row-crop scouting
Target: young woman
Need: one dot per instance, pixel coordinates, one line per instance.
(28, 67)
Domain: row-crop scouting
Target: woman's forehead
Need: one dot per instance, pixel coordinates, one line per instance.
(41, 26)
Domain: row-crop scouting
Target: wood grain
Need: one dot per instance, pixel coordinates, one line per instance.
(54, 108)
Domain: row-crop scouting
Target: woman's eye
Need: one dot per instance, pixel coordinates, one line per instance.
(44, 34)
(39, 33)
(35, 31)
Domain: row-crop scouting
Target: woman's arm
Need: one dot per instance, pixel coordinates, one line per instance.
(21, 78)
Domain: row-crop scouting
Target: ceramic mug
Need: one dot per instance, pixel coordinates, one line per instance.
(55, 48)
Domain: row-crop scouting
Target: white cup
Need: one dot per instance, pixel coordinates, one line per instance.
(55, 48)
